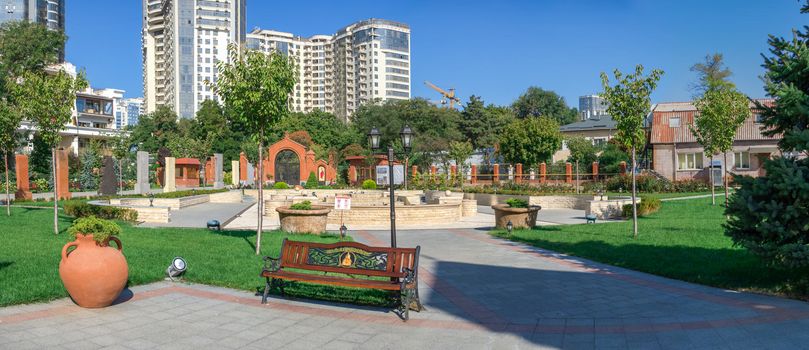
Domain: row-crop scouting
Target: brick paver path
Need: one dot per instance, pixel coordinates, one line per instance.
(479, 292)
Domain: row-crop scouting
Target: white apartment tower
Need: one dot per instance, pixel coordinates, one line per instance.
(182, 41)
(363, 62)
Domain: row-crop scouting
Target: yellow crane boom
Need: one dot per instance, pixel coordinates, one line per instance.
(445, 96)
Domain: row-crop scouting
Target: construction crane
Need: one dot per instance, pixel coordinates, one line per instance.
(445, 96)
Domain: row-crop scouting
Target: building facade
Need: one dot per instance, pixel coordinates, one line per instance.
(591, 106)
(182, 41)
(676, 154)
(362, 62)
(48, 12)
(598, 129)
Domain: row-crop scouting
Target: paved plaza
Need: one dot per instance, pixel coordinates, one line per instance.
(480, 293)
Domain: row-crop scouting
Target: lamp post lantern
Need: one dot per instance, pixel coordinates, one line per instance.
(407, 141)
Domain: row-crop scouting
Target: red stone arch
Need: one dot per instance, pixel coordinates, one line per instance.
(285, 144)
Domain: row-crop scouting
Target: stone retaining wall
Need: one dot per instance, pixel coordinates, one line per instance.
(234, 196)
(608, 209)
(469, 207)
(428, 214)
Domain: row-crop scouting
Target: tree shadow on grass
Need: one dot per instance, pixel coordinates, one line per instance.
(243, 234)
(4, 264)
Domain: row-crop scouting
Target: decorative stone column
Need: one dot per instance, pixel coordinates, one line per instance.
(236, 175)
(542, 172)
(473, 174)
(171, 175)
(433, 170)
(595, 170)
(496, 174)
(622, 168)
(23, 185)
(568, 172)
(142, 182)
(62, 174)
(218, 178)
(352, 174)
(518, 173)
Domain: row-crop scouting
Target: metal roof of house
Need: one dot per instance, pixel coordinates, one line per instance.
(605, 122)
(662, 132)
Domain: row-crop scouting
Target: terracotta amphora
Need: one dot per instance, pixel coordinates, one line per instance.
(94, 274)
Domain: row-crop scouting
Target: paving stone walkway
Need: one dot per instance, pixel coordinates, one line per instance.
(480, 293)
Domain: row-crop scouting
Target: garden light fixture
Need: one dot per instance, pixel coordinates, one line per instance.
(176, 268)
(214, 225)
(151, 199)
(509, 227)
(407, 138)
(374, 136)
(343, 231)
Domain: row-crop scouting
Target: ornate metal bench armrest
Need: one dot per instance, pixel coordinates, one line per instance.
(272, 264)
(410, 276)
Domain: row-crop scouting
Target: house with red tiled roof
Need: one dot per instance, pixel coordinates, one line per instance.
(676, 154)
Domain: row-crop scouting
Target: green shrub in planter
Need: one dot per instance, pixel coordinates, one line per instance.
(100, 229)
(305, 205)
(369, 185)
(280, 185)
(517, 203)
(646, 206)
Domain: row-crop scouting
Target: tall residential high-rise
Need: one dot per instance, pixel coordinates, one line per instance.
(48, 12)
(182, 41)
(364, 61)
(591, 107)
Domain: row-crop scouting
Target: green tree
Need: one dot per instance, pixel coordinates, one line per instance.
(324, 129)
(482, 125)
(48, 99)
(90, 163)
(767, 214)
(10, 120)
(433, 126)
(582, 151)
(460, 151)
(154, 130)
(722, 110)
(536, 102)
(256, 89)
(629, 102)
(530, 141)
(27, 47)
(610, 159)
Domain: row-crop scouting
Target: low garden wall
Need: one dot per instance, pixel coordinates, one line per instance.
(156, 214)
(610, 208)
(427, 214)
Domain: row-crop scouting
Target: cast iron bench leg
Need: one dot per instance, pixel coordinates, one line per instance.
(267, 288)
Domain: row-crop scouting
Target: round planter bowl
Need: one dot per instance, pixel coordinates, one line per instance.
(519, 217)
(303, 221)
(93, 274)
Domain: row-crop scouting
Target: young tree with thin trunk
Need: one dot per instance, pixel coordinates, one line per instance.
(10, 120)
(48, 99)
(629, 103)
(724, 110)
(256, 88)
(712, 75)
(582, 150)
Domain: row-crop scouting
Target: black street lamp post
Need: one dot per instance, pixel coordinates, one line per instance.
(407, 138)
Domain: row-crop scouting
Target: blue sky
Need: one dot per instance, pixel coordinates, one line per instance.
(494, 49)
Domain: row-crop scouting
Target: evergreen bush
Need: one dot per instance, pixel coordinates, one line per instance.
(280, 185)
(369, 185)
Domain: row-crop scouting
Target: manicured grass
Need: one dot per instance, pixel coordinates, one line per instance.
(30, 255)
(684, 240)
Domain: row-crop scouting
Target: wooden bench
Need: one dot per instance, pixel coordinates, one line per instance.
(397, 267)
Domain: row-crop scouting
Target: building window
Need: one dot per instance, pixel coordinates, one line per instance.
(742, 160)
(689, 161)
(758, 118)
(674, 122)
(598, 141)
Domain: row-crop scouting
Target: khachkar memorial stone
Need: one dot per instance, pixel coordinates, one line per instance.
(170, 183)
(217, 171)
(235, 175)
(62, 174)
(142, 181)
(108, 179)
(251, 175)
(23, 186)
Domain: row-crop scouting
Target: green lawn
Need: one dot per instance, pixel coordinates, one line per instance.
(30, 255)
(684, 240)
(663, 195)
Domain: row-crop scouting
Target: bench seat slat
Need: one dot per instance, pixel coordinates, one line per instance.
(333, 280)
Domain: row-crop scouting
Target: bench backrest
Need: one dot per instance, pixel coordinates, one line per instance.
(349, 258)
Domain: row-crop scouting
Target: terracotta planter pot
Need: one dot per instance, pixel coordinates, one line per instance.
(93, 274)
(519, 217)
(303, 221)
